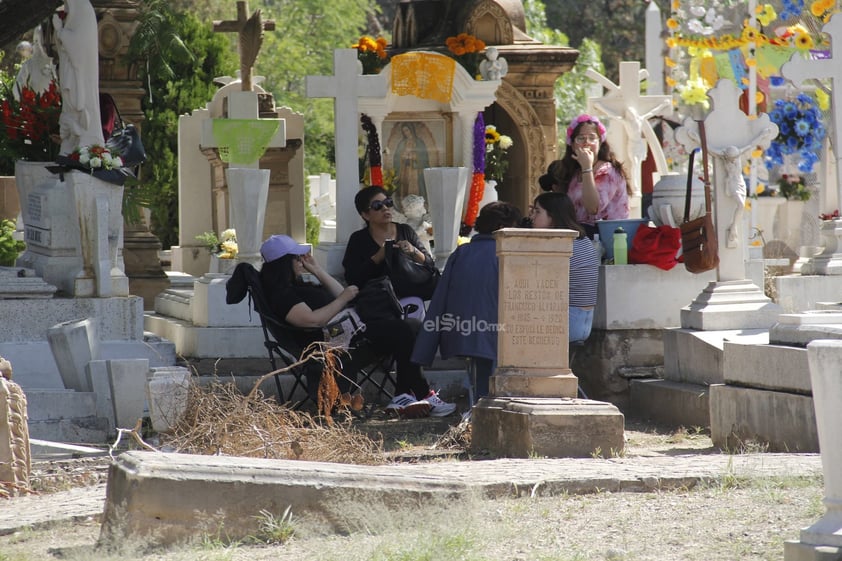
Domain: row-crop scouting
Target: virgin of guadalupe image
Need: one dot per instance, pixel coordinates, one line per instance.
(409, 160)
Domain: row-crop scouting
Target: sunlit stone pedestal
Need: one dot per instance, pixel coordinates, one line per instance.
(532, 409)
(822, 541)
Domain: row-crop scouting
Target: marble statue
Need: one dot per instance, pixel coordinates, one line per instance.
(37, 70)
(493, 67)
(76, 39)
(415, 215)
(735, 187)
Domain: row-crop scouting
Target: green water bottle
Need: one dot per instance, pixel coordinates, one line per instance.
(621, 247)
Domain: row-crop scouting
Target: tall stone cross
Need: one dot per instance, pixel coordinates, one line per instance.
(346, 86)
(798, 69)
(624, 103)
(250, 30)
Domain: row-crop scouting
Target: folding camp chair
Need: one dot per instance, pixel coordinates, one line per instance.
(282, 341)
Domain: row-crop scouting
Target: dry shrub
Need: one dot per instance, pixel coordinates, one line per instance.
(219, 419)
(457, 437)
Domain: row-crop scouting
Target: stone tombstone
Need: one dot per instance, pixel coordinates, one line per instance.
(533, 314)
(51, 232)
(532, 408)
(202, 180)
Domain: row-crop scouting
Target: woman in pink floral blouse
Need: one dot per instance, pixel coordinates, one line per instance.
(590, 175)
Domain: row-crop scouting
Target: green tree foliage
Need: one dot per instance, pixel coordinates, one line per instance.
(307, 32)
(617, 25)
(572, 88)
(182, 56)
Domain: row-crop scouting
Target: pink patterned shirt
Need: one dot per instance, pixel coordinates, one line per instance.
(613, 198)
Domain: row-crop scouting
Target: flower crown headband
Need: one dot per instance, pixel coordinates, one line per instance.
(585, 118)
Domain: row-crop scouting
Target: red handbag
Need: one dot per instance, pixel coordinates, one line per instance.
(655, 245)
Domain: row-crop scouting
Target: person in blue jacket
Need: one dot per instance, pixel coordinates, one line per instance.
(461, 319)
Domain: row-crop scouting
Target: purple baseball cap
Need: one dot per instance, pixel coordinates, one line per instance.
(279, 245)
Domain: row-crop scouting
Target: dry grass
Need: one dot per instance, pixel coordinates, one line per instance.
(219, 419)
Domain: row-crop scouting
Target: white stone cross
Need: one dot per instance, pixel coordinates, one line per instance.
(730, 134)
(624, 103)
(346, 86)
(798, 69)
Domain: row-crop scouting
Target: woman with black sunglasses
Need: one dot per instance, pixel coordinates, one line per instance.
(365, 255)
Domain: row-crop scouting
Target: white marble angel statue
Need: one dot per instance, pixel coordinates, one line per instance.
(493, 67)
(77, 42)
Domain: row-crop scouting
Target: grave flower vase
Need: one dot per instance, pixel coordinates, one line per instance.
(788, 223)
(248, 191)
(446, 188)
(489, 195)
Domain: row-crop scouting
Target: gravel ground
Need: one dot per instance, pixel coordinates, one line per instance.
(727, 520)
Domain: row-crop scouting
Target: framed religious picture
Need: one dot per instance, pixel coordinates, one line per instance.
(412, 142)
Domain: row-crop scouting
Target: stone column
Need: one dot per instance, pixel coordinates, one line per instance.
(532, 407)
(823, 540)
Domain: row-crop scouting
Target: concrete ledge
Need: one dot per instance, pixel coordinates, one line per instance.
(796, 293)
(771, 367)
(208, 342)
(169, 497)
(784, 421)
(117, 318)
(166, 497)
(696, 357)
(83, 430)
(672, 403)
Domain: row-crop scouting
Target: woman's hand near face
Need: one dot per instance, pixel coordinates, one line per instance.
(585, 156)
(310, 263)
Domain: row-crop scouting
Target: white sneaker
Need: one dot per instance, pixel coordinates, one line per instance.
(408, 407)
(439, 408)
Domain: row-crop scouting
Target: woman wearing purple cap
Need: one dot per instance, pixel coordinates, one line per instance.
(590, 175)
(303, 301)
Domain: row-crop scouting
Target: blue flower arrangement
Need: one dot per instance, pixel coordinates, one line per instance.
(801, 132)
(791, 9)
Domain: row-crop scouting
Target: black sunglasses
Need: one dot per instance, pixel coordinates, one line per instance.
(380, 203)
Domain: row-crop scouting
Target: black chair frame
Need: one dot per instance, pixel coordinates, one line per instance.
(281, 342)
